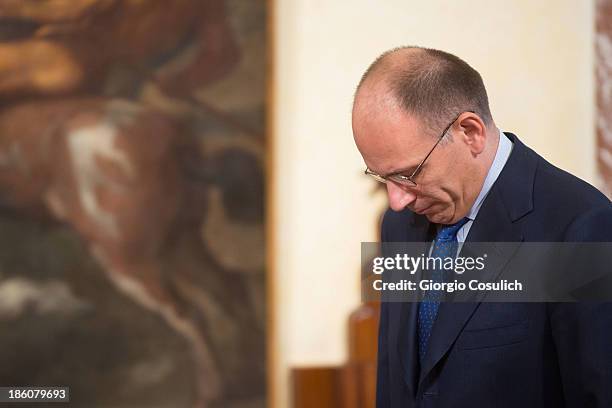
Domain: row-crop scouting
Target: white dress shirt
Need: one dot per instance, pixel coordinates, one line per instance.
(504, 148)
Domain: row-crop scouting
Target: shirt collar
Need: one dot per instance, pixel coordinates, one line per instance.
(504, 148)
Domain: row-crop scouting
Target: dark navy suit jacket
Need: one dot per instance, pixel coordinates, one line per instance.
(497, 355)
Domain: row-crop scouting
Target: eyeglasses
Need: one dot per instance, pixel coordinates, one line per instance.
(409, 180)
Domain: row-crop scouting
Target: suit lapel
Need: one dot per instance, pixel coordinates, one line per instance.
(509, 199)
(452, 316)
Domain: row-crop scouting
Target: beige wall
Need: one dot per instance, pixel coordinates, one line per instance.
(536, 60)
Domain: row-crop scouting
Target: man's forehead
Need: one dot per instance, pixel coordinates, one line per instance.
(390, 140)
(392, 161)
(386, 124)
(387, 153)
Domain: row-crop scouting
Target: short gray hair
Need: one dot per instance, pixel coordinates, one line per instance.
(433, 85)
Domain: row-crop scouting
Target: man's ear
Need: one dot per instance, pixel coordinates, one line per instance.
(474, 132)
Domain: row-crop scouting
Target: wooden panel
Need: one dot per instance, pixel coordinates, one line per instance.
(352, 385)
(363, 333)
(316, 387)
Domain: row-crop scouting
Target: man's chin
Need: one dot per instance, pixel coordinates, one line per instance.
(439, 218)
(435, 218)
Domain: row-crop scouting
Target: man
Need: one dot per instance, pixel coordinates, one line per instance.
(422, 123)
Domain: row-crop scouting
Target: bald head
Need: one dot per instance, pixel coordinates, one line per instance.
(408, 97)
(429, 84)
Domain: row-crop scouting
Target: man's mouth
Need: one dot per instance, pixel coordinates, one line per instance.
(422, 210)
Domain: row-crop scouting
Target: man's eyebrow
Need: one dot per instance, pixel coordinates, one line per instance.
(410, 170)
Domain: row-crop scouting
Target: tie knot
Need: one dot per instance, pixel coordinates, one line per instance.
(449, 232)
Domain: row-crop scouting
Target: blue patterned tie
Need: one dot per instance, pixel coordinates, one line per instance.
(445, 245)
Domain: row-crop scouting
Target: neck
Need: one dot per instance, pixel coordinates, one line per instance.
(488, 155)
(490, 149)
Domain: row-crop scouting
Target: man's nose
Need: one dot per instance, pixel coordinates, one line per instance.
(399, 197)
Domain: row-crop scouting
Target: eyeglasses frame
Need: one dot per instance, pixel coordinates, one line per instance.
(410, 179)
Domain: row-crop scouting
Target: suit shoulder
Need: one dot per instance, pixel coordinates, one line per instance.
(563, 189)
(568, 208)
(592, 226)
